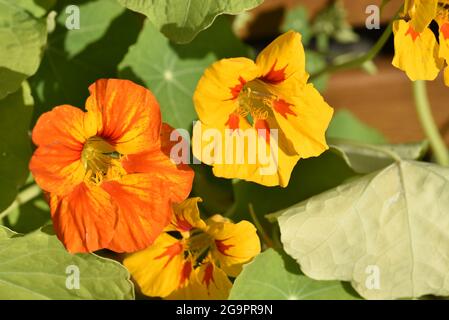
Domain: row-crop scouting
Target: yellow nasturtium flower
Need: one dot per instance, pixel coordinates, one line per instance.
(269, 100)
(193, 259)
(417, 51)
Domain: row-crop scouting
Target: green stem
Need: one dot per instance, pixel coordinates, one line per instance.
(23, 197)
(259, 227)
(428, 123)
(370, 55)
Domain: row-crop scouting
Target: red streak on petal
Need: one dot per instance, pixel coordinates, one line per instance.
(233, 121)
(185, 272)
(283, 108)
(208, 275)
(445, 30)
(223, 247)
(275, 76)
(171, 251)
(183, 225)
(412, 33)
(263, 129)
(235, 91)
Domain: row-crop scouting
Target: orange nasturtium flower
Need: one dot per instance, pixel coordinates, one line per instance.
(108, 174)
(239, 96)
(193, 258)
(417, 51)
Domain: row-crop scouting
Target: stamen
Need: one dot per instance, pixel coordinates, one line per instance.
(255, 101)
(100, 160)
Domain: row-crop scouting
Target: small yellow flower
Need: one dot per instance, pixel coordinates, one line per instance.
(193, 258)
(417, 51)
(236, 96)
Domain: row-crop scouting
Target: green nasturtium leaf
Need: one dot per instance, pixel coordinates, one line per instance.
(37, 266)
(386, 232)
(37, 8)
(74, 59)
(182, 20)
(15, 146)
(172, 71)
(22, 38)
(314, 63)
(346, 126)
(272, 276)
(367, 158)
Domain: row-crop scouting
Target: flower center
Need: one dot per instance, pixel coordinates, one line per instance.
(100, 159)
(255, 101)
(199, 244)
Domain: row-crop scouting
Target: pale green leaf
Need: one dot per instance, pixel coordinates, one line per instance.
(22, 38)
(386, 232)
(272, 276)
(182, 20)
(34, 266)
(172, 72)
(37, 8)
(366, 158)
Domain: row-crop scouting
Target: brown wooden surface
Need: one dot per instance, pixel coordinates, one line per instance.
(385, 101)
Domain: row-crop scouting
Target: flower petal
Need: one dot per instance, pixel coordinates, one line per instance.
(416, 55)
(207, 282)
(158, 269)
(127, 114)
(144, 211)
(84, 220)
(177, 178)
(216, 93)
(187, 216)
(423, 12)
(243, 154)
(283, 60)
(59, 135)
(234, 243)
(306, 126)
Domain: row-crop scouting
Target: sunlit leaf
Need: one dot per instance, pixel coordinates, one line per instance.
(182, 20)
(37, 266)
(387, 232)
(22, 38)
(366, 158)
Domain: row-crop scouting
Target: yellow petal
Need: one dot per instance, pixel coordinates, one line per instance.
(444, 41)
(187, 216)
(305, 128)
(423, 13)
(217, 90)
(243, 154)
(234, 244)
(158, 269)
(207, 282)
(283, 60)
(416, 54)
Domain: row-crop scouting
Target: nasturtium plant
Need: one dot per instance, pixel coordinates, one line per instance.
(37, 266)
(385, 232)
(182, 20)
(273, 275)
(110, 111)
(22, 38)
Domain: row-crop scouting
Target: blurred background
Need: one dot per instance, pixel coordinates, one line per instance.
(382, 99)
